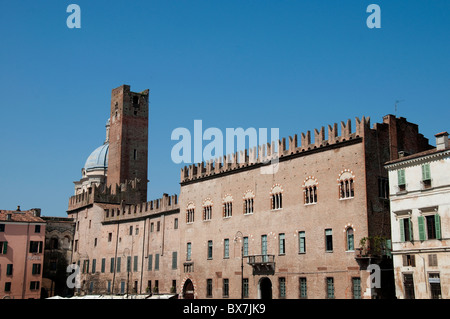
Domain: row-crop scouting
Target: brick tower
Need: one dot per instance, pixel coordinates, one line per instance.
(128, 140)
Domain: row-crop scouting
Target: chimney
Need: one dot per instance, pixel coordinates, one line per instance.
(18, 208)
(441, 141)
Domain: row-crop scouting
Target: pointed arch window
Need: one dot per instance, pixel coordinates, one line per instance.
(227, 206)
(346, 185)
(276, 197)
(310, 190)
(248, 202)
(207, 209)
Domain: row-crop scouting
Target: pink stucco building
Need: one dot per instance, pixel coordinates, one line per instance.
(22, 239)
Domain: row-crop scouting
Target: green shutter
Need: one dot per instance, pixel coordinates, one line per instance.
(5, 247)
(174, 260)
(426, 172)
(421, 224)
(401, 177)
(410, 229)
(437, 223)
(402, 230)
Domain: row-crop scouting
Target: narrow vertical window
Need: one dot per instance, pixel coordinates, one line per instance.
(330, 287)
(426, 175)
(401, 179)
(246, 287)
(210, 249)
(328, 240)
(282, 244)
(282, 287)
(156, 261)
(226, 248)
(188, 251)
(301, 242)
(174, 260)
(303, 288)
(350, 239)
(209, 288)
(356, 287)
(226, 288)
(245, 246)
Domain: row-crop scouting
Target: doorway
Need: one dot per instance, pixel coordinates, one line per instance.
(265, 288)
(188, 290)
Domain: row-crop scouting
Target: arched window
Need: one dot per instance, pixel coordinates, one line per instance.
(350, 240)
(346, 185)
(207, 209)
(276, 197)
(190, 211)
(227, 206)
(248, 202)
(310, 190)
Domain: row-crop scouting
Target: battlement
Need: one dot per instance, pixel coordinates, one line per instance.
(127, 192)
(267, 152)
(158, 206)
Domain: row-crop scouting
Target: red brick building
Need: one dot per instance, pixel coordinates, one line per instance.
(300, 227)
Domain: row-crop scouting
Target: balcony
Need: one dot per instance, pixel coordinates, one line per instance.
(262, 264)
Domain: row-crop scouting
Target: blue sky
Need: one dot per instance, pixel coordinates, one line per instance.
(293, 65)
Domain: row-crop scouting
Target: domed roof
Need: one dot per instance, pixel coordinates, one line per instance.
(98, 158)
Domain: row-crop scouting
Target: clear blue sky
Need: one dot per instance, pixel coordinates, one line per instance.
(293, 65)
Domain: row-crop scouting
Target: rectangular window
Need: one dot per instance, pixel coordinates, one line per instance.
(282, 244)
(174, 260)
(103, 264)
(37, 228)
(264, 246)
(175, 223)
(9, 269)
(409, 260)
(109, 237)
(226, 288)
(328, 240)
(158, 225)
(36, 269)
(432, 260)
(356, 287)
(2, 228)
(426, 175)
(209, 288)
(36, 247)
(282, 287)
(128, 263)
(401, 179)
(405, 229)
(94, 264)
(34, 285)
(135, 263)
(330, 287)
(188, 251)
(246, 287)
(383, 187)
(111, 266)
(156, 261)
(150, 262)
(429, 227)
(3, 247)
(303, 288)
(7, 286)
(226, 248)
(408, 283)
(245, 243)
(119, 262)
(210, 249)
(435, 285)
(108, 287)
(151, 227)
(301, 242)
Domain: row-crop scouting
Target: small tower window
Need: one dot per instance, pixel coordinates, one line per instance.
(135, 154)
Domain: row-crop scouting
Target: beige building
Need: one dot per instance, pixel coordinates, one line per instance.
(240, 229)
(420, 219)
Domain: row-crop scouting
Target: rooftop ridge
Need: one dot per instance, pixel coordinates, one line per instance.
(276, 149)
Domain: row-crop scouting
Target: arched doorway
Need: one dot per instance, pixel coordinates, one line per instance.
(265, 288)
(188, 290)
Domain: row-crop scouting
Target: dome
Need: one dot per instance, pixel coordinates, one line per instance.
(98, 159)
